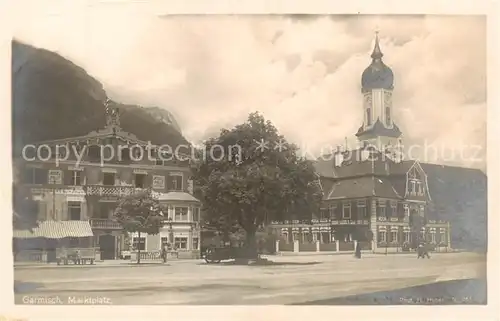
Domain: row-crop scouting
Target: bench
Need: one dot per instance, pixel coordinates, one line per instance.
(77, 256)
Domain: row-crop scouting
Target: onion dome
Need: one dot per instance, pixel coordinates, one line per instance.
(377, 75)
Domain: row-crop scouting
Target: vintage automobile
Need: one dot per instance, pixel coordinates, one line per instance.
(217, 254)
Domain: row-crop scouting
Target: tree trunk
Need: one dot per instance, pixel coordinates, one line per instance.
(251, 246)
(225, 237)
(139, 247)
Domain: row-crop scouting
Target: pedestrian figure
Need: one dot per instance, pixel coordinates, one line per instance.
(357, 253)
(164, 253)
(77, 256)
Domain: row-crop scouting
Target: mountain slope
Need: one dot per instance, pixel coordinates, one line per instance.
(54, 98)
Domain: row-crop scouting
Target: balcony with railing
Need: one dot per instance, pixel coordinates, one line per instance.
(105, 224)
(118, 191)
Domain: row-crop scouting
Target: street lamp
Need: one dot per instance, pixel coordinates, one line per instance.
(170, 230)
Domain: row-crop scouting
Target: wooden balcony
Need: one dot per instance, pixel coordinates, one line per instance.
(105, 224)
(117, 191)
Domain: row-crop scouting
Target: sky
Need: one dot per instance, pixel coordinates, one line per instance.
(301, 72)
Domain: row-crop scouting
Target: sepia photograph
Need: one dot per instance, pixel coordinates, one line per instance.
(291, 159)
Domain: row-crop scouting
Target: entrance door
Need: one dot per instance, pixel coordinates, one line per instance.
(107, 246)
(51, 246)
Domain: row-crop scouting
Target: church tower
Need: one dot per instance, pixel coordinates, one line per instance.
(379, 129)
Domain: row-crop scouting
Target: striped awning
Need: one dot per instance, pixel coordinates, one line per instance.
(57, 230)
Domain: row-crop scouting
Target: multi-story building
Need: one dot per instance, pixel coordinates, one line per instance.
(83, 179)
(371, 194)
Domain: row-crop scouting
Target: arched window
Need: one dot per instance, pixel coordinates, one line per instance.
(125, 155)
(94, 153)
(388, 116)
(368, 116)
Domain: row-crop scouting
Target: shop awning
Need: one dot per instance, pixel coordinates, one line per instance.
(176, 196)
(57, 230)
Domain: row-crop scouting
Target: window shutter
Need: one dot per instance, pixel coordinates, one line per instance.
(83, 211)
(68, 177)
(100, 176)
(170, 182)
(42, 210)
(126, 176)
(148, 180)
(93, 176)
(62, 214)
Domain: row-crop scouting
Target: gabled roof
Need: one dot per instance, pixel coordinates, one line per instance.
(362, 187)
(106, 132)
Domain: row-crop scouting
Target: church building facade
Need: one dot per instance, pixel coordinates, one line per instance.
(371, 194)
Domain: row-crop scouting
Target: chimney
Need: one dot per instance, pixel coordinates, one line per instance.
(338, 157)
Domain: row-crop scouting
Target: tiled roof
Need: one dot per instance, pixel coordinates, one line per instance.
(401, 167)
(378, 129)
(354, 165)
(362, 187)
(324, 166)
(57, 230)
(326, 185)
(177, 196)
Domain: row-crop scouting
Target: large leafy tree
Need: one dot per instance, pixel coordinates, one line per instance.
(249, 176)
(140, 213)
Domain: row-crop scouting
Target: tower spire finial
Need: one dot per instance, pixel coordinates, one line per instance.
(112, 114)
(377, 53)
